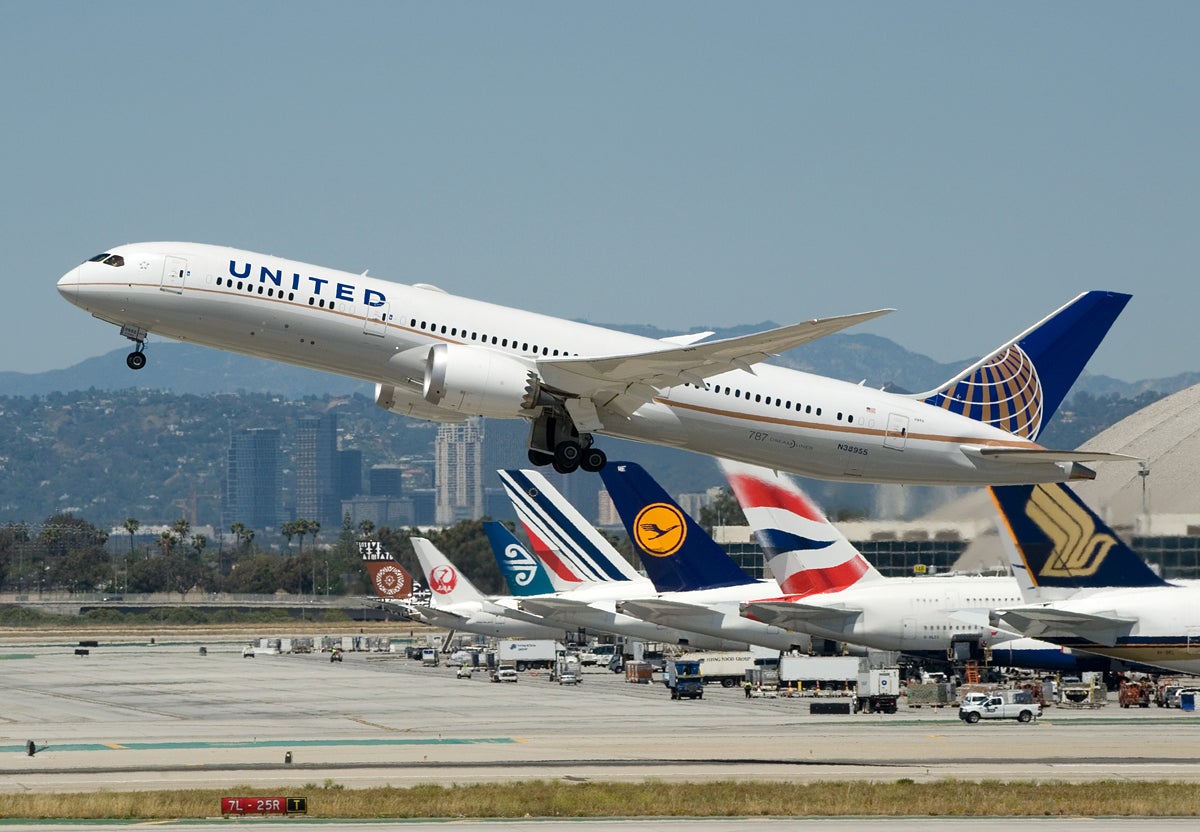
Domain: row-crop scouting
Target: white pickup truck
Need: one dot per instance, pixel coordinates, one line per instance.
(1001, 704)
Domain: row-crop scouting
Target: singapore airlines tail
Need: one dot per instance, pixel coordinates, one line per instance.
(523, 572)
(805, 552)
(677, 553)
(1020, 385)
(1062, 545)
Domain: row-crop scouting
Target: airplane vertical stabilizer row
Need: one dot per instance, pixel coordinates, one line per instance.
(434, 355)
(804, 551)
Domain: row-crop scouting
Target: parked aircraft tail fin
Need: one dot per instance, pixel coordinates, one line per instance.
(446, 583)
(523, 573)
(676, 552)
(805, 552)
(1063, 544)
(389, 580)
(574, 551)
(1020, 385)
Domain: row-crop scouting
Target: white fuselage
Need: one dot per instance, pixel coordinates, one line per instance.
(364, 327)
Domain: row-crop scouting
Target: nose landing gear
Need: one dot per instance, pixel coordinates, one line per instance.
(136, 360)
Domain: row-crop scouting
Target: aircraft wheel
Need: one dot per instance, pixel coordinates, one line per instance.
(540, 458)
(567, 456)
(135, 360)
(593, 460)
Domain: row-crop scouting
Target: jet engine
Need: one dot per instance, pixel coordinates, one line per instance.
(409, 403)
(480, 382)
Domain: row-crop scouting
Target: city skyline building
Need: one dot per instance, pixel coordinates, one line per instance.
(253, 474)
(458, 464)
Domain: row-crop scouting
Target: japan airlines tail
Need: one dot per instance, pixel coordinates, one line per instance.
(433, 355)
(1116, 605)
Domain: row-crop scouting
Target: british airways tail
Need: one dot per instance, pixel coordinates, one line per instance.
(574, 551)
(1063, 545)
(522, 571)
(1019, 386)
(805, 552)
(676, 552)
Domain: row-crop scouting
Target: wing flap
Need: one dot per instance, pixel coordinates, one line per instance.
(800, 617)
(659, 610)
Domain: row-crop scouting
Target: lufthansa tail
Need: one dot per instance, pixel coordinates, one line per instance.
(1020, 385)
(1062, 544)
(678, 555)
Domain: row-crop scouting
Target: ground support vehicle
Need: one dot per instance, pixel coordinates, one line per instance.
(505, 674)
(1002, 704)
(528, 654)
(1134, 694)
(684, 679)
(878, 690)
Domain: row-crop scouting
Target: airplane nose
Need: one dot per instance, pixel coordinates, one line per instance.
(68, 284)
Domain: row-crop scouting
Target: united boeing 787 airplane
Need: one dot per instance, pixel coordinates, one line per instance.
(433, 355)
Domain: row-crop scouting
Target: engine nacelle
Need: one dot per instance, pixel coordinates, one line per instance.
(480, 382)
(410, 403)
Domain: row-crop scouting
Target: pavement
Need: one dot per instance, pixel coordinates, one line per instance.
(135, 715)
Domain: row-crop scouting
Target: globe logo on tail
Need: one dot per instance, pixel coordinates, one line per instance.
(660, 530)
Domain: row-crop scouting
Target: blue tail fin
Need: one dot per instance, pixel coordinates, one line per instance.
(522, 571)
(1019, 387)
(677, 554)
(1063, 544)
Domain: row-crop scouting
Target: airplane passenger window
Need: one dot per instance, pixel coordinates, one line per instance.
(115, 260)
(239, 285)
(312, 302)
(218, 281)
(850, 418)
(260, 290)
(291, 296)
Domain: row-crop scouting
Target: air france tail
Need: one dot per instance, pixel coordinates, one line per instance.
(1019, 386)
(574, 551)
(805, 552)
(1063, 547)
(522, 572)
(676, 552)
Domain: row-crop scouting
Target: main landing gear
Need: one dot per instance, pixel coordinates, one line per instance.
(136, 360)
(554, 441)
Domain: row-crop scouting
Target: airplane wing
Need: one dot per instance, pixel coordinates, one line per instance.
(800, 617)
(1048, 622)
(552, 607)
(625, 382)
(661, 611)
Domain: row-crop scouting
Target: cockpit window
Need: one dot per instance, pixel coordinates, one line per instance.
(99, 257)
(108, 259)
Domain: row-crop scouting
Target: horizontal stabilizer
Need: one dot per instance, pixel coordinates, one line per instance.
(802, 617)
(439, 617)
(1043, 455)
(551, 607)
(1047, 622)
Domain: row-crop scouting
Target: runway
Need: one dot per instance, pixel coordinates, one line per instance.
(134, 715)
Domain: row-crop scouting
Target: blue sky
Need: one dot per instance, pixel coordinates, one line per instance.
(685, 164)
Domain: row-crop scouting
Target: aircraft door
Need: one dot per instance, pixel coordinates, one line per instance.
(897, 431)
(375, 321)
(174, 274)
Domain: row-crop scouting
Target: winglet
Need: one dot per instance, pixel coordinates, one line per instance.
(676, 552)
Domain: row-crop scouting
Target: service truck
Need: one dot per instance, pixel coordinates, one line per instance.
(528, 654)
(878, 690)
(684, 679)
(728, 668)
(1001, 704)
(813, 673)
